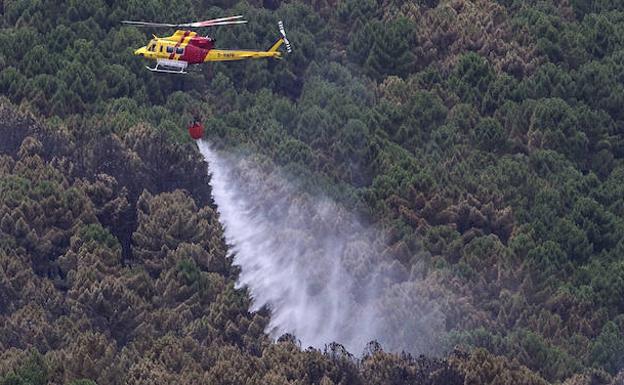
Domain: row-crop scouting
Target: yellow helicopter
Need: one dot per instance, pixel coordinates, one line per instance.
(174, 53)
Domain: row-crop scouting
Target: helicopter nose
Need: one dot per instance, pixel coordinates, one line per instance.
(140, 51)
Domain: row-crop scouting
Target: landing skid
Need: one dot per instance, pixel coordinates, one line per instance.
(169, 66)
(167, 71)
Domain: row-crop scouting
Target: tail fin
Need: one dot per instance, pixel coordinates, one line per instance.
(282, 39)
(277, 44)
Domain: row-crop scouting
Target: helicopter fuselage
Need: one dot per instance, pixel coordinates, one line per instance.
(188, 47)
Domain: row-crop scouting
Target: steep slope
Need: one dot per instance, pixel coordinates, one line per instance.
(488, 133)
(76, 307)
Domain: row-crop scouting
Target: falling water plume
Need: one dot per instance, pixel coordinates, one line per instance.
(317, 267)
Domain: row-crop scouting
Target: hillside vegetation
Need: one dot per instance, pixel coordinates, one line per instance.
(488, 133)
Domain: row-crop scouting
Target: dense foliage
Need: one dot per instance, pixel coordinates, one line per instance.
(488, 132)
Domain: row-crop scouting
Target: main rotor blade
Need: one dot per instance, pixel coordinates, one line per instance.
(198, 24)
(147, 24)
(210, 23)
(223, 18)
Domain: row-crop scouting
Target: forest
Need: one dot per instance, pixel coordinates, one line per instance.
(485, 138)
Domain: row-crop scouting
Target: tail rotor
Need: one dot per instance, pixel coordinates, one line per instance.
(283, 33)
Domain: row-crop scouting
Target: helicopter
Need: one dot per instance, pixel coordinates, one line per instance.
(174, 53)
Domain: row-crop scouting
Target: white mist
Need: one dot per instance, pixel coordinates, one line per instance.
(315, 265)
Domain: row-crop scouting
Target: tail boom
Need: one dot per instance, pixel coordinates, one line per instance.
(232, 55)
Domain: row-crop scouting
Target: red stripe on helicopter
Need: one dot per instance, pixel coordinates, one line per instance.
(204, 53)
(186, 33)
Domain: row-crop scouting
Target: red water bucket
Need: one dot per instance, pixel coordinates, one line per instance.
(196, 130)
